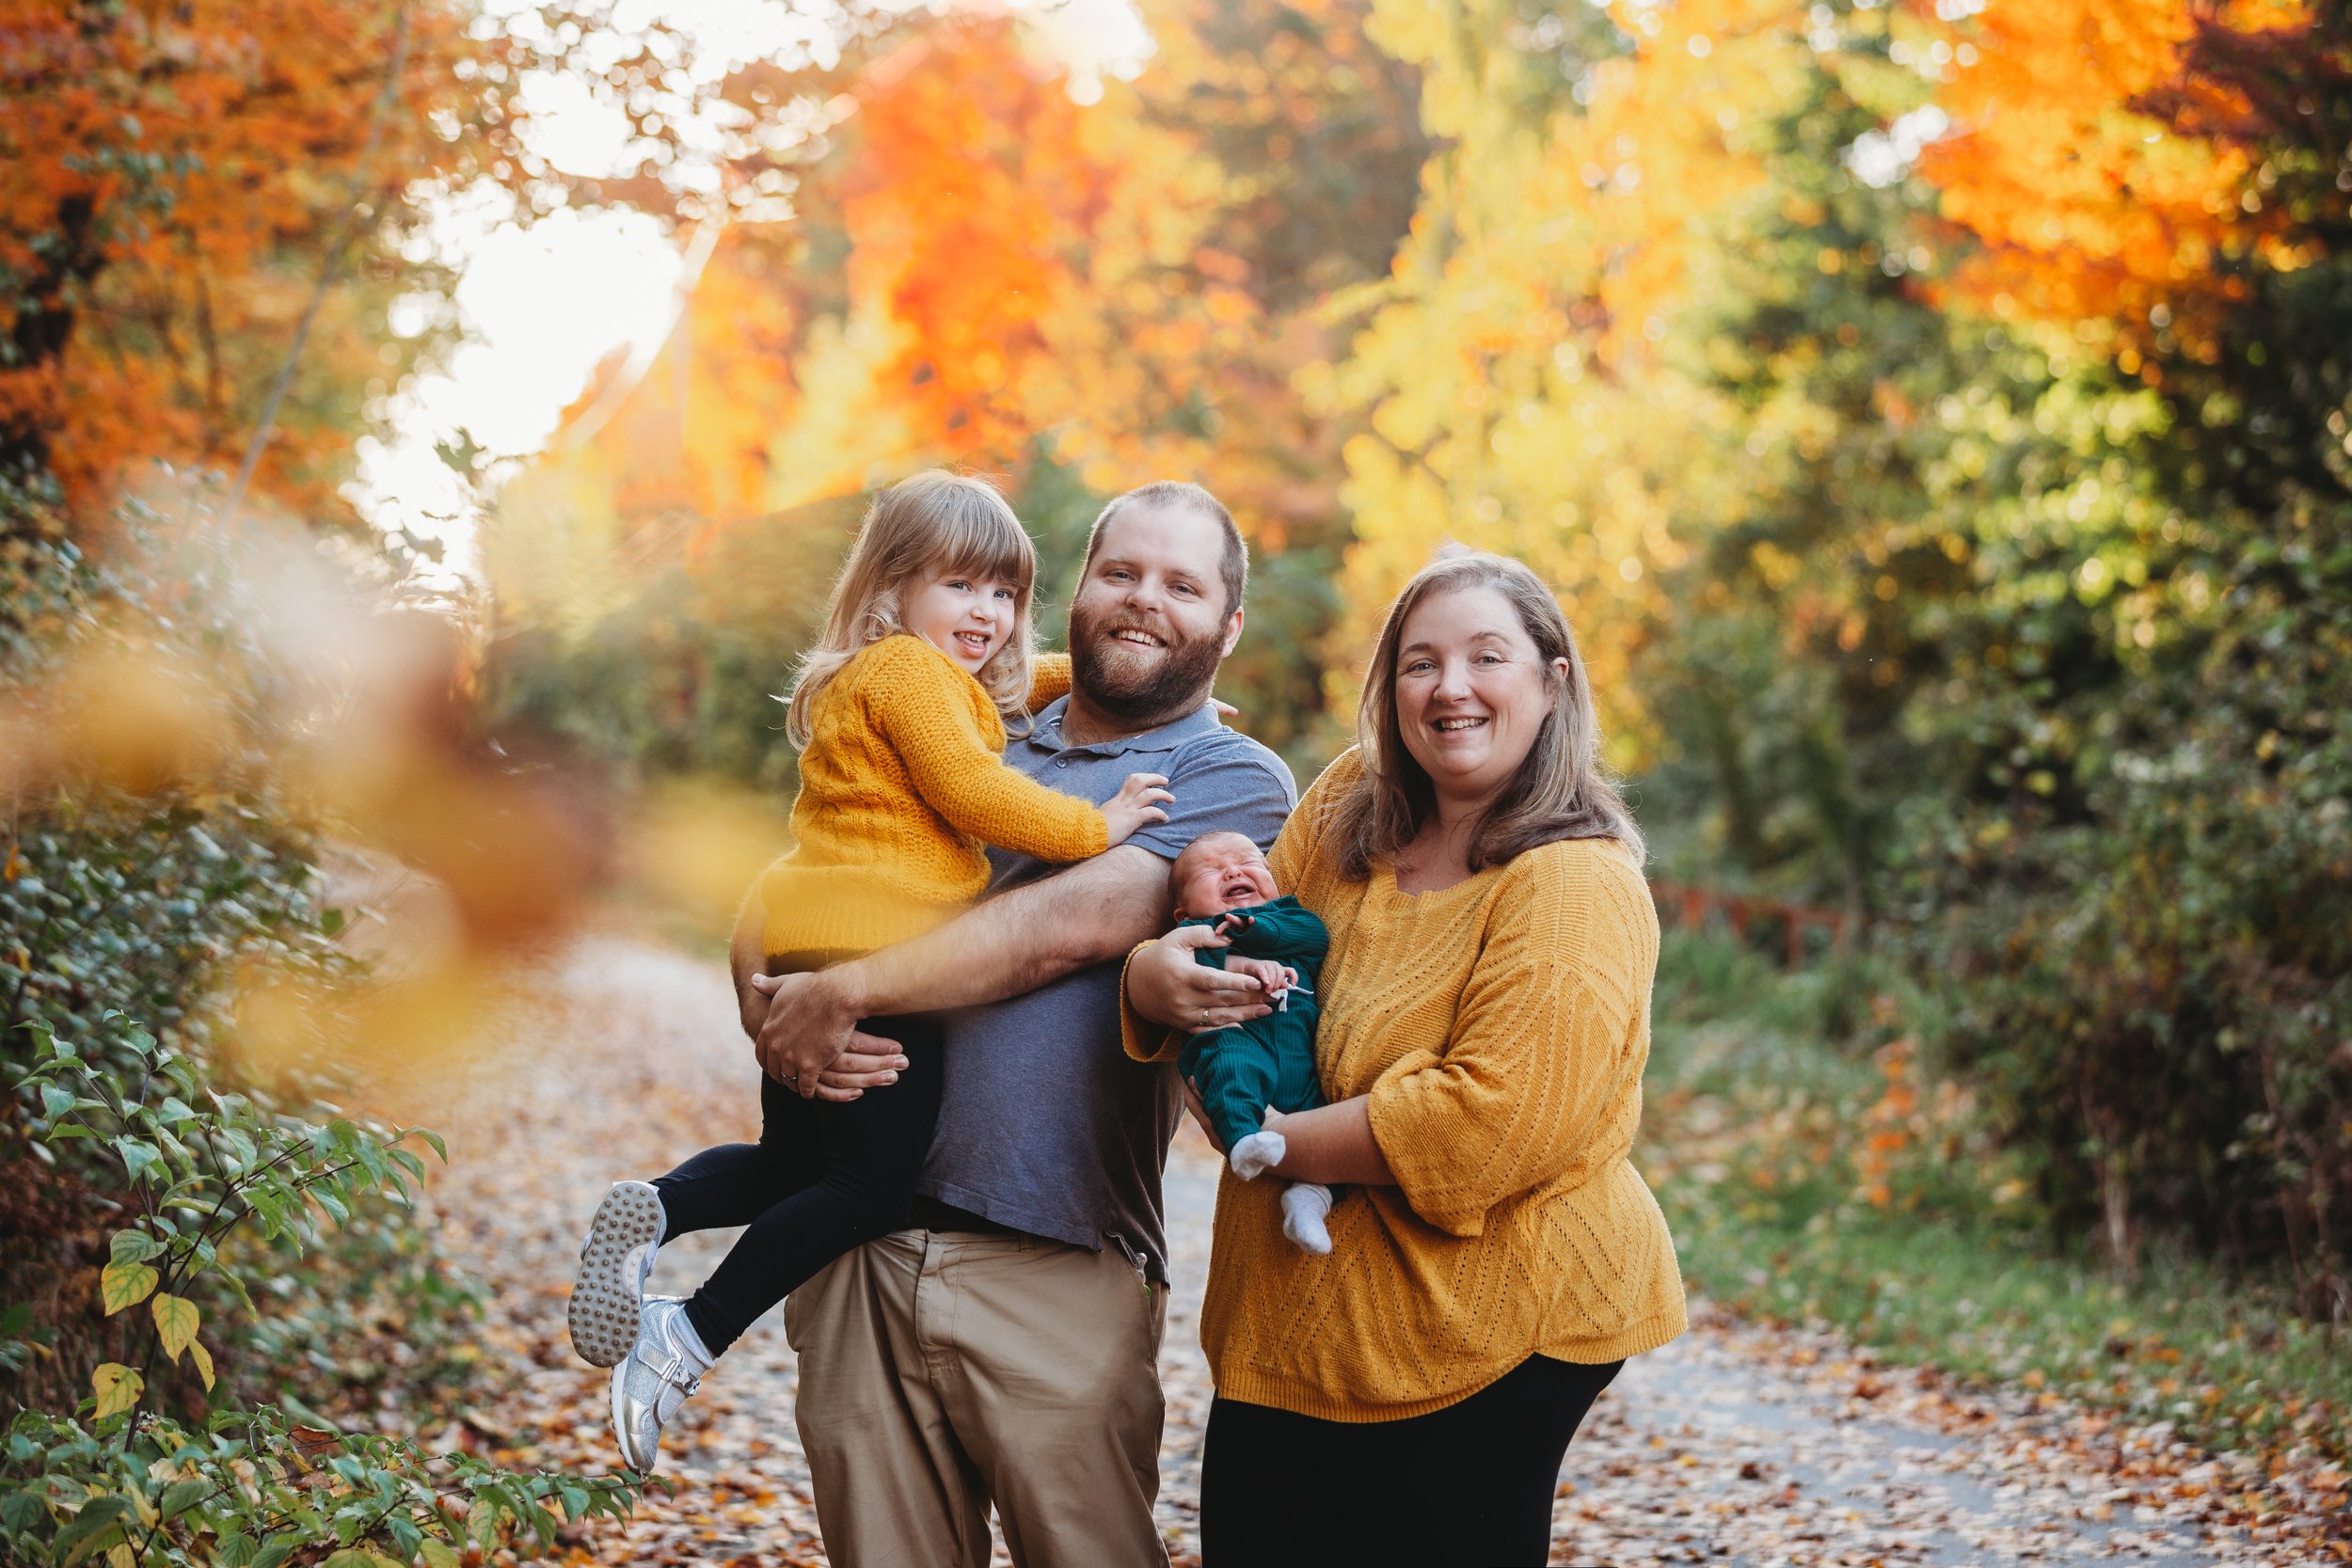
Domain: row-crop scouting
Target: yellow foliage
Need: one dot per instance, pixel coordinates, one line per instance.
(1530, 379)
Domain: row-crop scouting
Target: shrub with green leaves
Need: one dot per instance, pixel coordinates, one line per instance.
(145, 902)
(243, 1488)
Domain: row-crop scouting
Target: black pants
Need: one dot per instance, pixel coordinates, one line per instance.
(823, 1178)
(1469, 1486)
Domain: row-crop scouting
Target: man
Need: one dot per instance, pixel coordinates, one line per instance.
(1004, 1349)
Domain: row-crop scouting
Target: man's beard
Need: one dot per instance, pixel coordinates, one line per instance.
(1128, 684)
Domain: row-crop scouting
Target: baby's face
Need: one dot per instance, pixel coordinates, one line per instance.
(1227, 873)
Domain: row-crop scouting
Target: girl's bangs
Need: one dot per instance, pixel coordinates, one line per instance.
(986, 542)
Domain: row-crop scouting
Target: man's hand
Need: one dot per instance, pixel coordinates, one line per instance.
(809, 1041)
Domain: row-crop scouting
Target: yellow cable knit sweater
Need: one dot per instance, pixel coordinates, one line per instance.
(903, 779)
(1500, 1026)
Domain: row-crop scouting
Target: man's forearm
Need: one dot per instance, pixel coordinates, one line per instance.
(1091, 913)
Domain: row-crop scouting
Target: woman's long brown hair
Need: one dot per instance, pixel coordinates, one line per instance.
(1562, 790)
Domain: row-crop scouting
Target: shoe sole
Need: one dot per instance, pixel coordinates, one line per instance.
(606, 1301)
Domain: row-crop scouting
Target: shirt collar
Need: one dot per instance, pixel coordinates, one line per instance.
(1046, 732)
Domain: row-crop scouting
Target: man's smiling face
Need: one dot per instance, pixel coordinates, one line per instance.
(1149, 622)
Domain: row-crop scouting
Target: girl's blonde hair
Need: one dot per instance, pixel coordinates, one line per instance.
(931, 524)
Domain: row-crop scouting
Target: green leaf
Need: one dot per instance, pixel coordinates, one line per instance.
(121, 1285)
(89, 1530)
(133, 1247)
(20, 1511)
(434, 1139)
(55, 1102)
(175, 1320)
(137, 1155)
(234, 1551)
(350, 1557)
(276, 1550)
(118, 1389)
(438, 1554)
(180, 1495)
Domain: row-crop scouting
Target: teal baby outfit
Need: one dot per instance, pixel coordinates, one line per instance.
(1242, 1070)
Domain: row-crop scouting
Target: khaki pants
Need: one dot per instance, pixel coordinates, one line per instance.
(942, 1372)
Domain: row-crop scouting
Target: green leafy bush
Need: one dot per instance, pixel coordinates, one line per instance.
(233, 1486)
(145, 901)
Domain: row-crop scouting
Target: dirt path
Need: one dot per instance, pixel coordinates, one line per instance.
(1734, 1445)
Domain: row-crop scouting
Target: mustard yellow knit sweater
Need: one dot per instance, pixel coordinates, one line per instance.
(1500, 1026)
(902, 781)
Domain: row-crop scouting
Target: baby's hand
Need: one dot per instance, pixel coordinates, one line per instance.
(1138, 802)
(1234, 920)
(1273, 976)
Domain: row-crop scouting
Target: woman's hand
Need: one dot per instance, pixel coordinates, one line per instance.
(1168, 984)
(1200, 1115)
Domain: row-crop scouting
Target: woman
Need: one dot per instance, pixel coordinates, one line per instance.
(1485, 1018)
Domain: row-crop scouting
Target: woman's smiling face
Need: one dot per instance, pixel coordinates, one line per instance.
(1471, 691)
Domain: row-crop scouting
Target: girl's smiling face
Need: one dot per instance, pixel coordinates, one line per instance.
(963, 615)
(1471, 691)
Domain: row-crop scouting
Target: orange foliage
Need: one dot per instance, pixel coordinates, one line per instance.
(968, 204)
(2088, 204)
(976, 264)
(689, 431)
(171, 177)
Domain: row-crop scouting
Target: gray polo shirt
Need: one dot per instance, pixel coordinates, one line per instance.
(1046, 1125)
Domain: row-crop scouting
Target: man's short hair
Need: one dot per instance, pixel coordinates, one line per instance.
(1233, 567)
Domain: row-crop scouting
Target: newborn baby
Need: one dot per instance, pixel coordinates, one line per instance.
(1221, 880)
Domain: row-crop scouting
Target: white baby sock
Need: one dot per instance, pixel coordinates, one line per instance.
(1304, 1204)
(1258, 1153)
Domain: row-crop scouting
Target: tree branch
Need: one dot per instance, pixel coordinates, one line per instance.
(354, 212)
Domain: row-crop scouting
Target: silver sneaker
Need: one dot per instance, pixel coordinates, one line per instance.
(663, 1369)
(614, 1261)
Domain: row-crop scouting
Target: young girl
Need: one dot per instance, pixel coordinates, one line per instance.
(899, 714)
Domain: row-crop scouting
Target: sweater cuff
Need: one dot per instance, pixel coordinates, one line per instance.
(1142, 1039)
(1419, 1155)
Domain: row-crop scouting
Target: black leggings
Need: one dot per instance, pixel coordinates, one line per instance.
(824, 1176)
(1469, 1486)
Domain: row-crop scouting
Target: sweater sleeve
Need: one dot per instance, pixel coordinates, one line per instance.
(1285, 933)
(1539, 1043)
(1142, 1039)
(1049, 679)
(916, 706)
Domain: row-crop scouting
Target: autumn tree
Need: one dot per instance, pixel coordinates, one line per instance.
(206, 208)
(977, 268)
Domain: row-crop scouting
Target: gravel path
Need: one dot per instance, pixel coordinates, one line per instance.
(1734, 1445)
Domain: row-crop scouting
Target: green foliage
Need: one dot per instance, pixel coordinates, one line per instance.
(677, 674)
(144, 903)
(235, 1486)
(1765, 1094)
(2040, 669)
